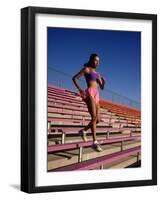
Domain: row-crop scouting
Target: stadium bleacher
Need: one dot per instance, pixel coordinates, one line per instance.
(118, 132)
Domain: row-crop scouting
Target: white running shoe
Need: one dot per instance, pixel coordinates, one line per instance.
(97, 147)
(83, 135)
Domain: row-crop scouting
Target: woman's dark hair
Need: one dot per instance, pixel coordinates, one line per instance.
(90, 61)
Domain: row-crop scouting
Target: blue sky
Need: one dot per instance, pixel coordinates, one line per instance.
(119, 53)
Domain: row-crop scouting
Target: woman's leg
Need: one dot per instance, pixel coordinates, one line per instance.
(87, 101)
(98, 119)
(92, 110)
(98, 112)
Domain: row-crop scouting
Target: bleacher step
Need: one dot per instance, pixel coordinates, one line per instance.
(72, 139)
(71, 156)
(122, 163)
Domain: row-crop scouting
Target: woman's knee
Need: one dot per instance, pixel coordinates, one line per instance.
(98, 119)
(94, 118)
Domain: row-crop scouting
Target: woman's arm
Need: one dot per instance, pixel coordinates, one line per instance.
(77, 77)
(101, 82)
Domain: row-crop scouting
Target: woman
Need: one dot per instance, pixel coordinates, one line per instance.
(91, 95)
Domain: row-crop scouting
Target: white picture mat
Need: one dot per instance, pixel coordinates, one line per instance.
(44, 178)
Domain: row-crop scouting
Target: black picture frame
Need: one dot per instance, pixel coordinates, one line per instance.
(28, 92)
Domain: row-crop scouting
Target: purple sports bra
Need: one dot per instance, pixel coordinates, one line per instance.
(92, 76)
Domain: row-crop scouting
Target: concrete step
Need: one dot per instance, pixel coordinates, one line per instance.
(64, 158)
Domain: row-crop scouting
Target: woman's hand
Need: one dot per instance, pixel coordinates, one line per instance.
(82, 93)
(103, 81)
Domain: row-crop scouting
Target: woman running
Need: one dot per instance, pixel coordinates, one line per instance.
(91, 96)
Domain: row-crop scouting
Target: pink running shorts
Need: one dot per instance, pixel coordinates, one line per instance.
(93, 92)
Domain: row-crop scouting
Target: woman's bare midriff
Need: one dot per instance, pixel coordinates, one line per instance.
(93, 84)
